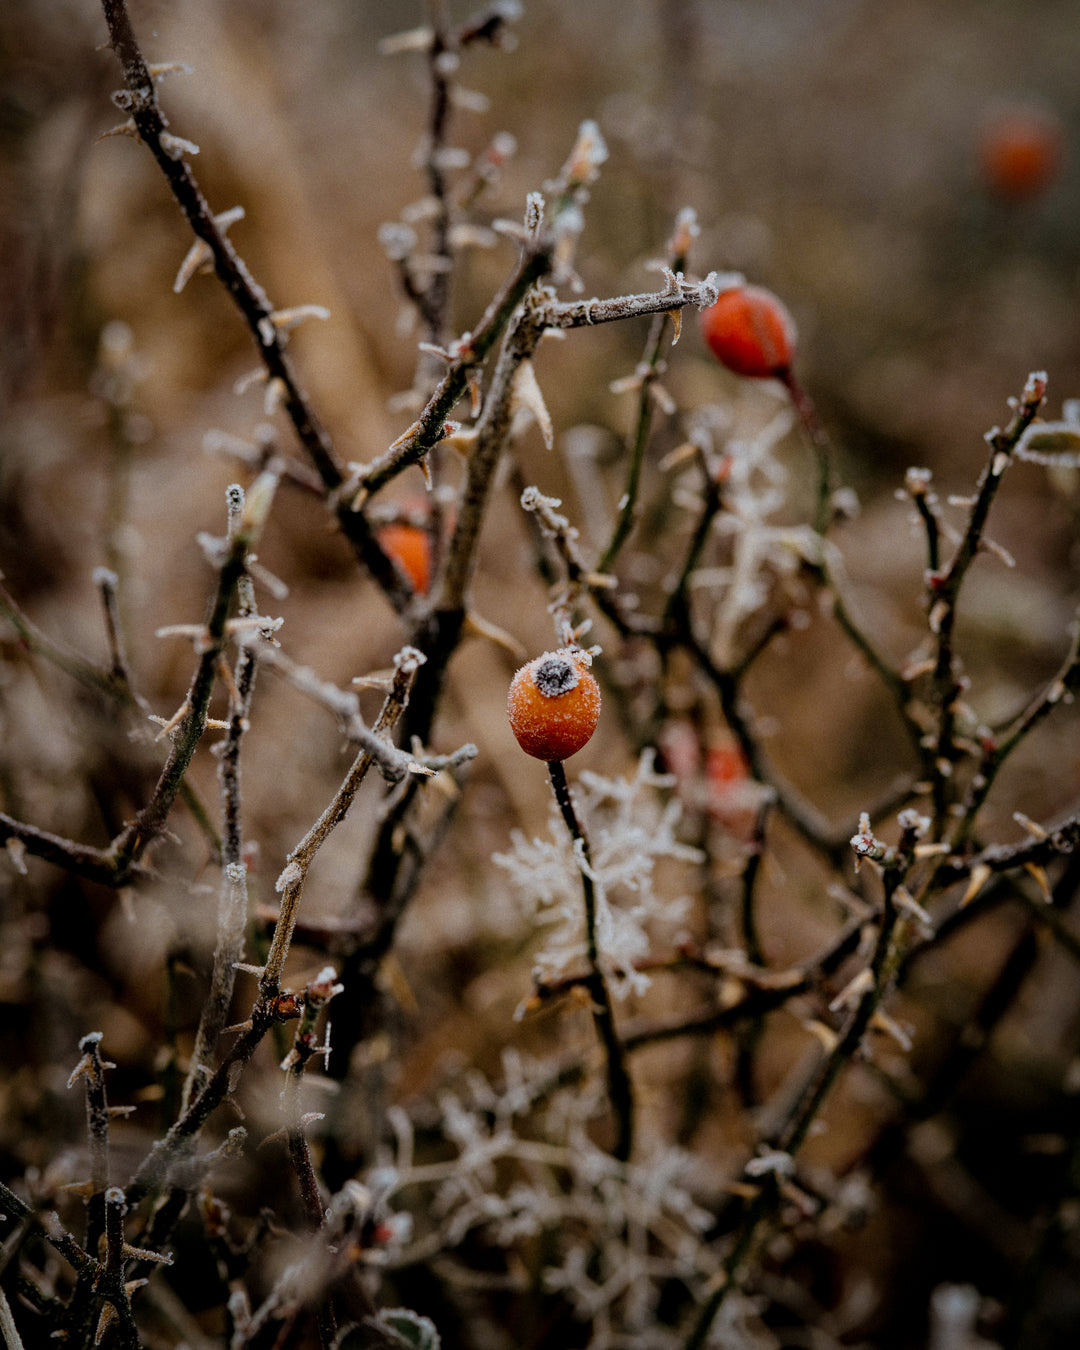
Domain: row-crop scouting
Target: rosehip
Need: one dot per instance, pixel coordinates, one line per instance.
(750, 332)
(1020, 153)
(410, 547)
(554, 705)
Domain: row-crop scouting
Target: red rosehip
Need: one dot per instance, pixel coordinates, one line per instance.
(750, 332)
(410, 547)
(1020, 153)
(554, 705)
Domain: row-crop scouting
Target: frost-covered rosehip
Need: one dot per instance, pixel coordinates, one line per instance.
(554, 705)
(750, 332)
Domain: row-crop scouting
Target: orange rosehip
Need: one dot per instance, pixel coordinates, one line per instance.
(554, 705)
(410, 547)
(1020, 153)
(750, 332)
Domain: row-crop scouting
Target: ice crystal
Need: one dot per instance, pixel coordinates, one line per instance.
(630, 829)
(524, 1164)
(762, 546)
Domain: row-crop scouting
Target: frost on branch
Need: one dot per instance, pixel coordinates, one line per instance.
(524, 1165)
(631, 829)
(762, 546)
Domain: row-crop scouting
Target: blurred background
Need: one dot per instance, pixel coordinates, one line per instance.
(906, 177)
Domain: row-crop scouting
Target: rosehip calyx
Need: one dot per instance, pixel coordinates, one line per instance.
(554, 705)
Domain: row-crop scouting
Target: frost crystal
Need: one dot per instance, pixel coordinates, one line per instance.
(761, 547)
(630, 829)
(523, 1165)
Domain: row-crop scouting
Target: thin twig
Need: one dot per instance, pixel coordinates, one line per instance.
(620, 1087)
(232, 899)
(291, 882)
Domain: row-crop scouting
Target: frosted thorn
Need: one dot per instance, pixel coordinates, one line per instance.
(226, 218)
(774, 1161)
(176, 147)
(253, 377)
(127, 128)
(881, 1021)
(158, 70)
(412, 40)
(853, 990)
(510, 229)
(169, 726)
(432, 349)
(1041, 880)
(198, 257)
(16, 851)
(475, 626)
(276, 394)
(528, 401)
(1033, 827)
(979, 877)
(403, 439)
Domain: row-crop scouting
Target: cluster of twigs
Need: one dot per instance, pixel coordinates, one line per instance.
(939, 878)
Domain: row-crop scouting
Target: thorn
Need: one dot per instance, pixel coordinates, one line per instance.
(176, 147)
(145, 1254)
(159, 70)
(881, 1021)
(823, 1033)
(1033, 827)
(979, 876)
(1041, 880)
(197, 259)
(199, 256)
(853, 990)
(526, 397)
(83, 1189)
(475, 626)
(406, 436)
(285, 320)
(167, 728)
(127, 128)
(108, 1316)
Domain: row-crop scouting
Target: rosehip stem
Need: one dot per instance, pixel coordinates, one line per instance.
(819, 441)
(620, 1088)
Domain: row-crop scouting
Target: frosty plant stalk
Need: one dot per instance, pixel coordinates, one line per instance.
(620, 1088)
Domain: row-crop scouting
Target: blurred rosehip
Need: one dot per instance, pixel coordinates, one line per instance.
(554, 705)
(1020, 153)
(724, 765)
(750, 331)
(410, 547)
(732, 797)
(680, 750)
